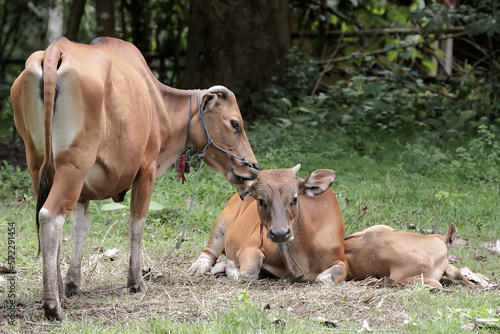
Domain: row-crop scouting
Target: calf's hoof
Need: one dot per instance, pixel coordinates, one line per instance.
(200, 267)
(249, 276)
(52, 309)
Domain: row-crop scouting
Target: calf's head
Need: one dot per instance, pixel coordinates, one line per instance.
(449, 237)
(278, 193)
(224, 124)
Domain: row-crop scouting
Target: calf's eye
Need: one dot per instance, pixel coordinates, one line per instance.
(261, 202)
(294, 200)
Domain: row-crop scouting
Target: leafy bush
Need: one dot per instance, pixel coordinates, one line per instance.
(481, 158)
(15, 182)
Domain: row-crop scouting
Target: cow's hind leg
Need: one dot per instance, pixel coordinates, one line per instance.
(333, 275)
(142, 189)
(81, 227)
(50, 245)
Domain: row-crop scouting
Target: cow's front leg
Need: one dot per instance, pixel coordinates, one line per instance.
(142, 189)
(250, 260)
(334, 274)
(50, 244)
(81, 227)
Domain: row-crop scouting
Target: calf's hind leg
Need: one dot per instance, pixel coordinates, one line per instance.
(454, 274)
(333, 275)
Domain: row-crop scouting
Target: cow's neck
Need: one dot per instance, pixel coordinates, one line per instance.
(174, 123)
(291, 264)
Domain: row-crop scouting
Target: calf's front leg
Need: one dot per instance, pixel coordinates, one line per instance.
(250, 259)
(210, 254)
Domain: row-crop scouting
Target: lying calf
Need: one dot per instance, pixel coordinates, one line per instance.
(303, 225)
(403, 257)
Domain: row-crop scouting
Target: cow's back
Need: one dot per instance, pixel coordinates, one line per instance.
(104, 101)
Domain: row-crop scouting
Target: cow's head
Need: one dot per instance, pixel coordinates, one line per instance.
(225, 126)
(278, 194)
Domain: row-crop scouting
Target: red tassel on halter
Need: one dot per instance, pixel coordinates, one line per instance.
(182, 163)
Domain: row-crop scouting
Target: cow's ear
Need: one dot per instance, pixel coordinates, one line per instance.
(208, 102)
(317, 183)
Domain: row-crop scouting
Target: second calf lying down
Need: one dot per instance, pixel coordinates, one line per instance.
(403, 257)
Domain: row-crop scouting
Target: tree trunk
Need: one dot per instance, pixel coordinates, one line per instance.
(236, 43)
(141, 25)
(74, 19)
(56, 16)
(105, 17)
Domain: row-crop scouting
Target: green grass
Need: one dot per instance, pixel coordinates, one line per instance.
(400, 182)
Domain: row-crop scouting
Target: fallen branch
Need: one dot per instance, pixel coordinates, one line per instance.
(381, 31)
(398, 47)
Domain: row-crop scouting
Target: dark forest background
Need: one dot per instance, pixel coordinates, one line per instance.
(360, 64)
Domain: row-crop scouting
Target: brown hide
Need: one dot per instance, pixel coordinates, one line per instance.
(315, 238)
(96, 123)
(403, 257)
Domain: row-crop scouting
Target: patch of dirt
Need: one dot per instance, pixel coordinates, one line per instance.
(14, 153)
(174, 294)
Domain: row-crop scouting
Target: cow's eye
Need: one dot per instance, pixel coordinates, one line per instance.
(236, 125)
(294, 200)
(261, 202)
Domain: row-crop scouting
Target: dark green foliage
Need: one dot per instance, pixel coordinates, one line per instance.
(16, 183)
(479, 17)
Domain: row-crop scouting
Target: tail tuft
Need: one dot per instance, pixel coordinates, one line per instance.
(43, 193)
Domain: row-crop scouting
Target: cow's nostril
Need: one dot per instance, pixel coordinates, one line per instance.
(281, 234)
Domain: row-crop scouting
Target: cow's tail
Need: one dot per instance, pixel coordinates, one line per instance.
(51, 62)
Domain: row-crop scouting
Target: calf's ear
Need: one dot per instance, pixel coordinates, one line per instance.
(449, 237)
(317, 182)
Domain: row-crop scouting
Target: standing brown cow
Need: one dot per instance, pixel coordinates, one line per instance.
(97, 123)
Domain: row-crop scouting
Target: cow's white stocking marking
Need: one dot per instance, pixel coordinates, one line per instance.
(81, 226)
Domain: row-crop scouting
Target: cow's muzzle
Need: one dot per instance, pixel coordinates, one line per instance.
(280, 235)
